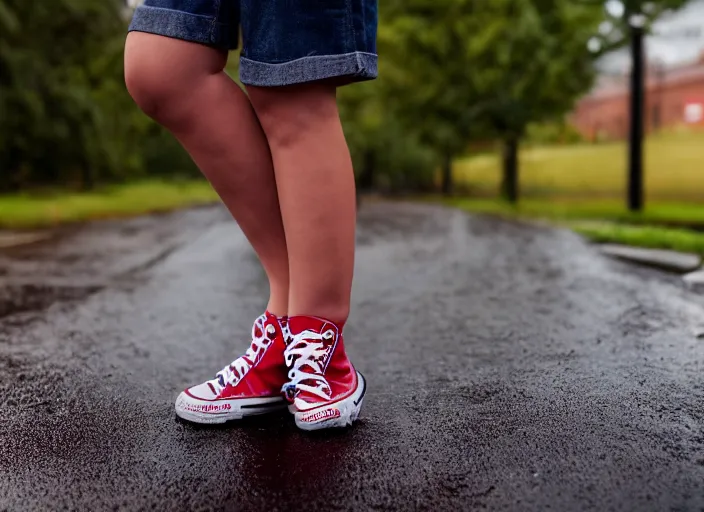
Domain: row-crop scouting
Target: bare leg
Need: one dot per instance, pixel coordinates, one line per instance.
(183, 86)
(316, 192)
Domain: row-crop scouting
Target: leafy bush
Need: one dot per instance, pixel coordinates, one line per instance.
(387, 156)
(66, 115)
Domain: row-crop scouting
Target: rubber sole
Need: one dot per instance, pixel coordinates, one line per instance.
(336, 415)
(213, 413)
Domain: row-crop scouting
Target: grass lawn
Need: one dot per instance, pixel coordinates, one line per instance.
(662, 213)
(607, 221)
(674, 169)
(34, 211)
(656, 237)
(583, 187)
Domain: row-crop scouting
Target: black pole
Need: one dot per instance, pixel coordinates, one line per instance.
(447, 177)
(510, 165)
(635, 160)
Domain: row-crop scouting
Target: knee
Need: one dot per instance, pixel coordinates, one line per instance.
(161, 76)
(149, 86)
(289, 114)
(148, 92)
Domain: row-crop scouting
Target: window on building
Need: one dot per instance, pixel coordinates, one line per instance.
(693, 113)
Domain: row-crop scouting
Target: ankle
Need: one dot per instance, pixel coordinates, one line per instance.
(332, 305)
(278, 300)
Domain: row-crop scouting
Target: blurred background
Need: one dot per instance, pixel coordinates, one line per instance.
(509, 107)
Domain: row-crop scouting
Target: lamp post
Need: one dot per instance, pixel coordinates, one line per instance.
(636, 24)
(629, 20)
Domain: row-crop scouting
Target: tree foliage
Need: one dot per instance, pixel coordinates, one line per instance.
(627, 12)
(66, 117)
(452, 72)
(461, 70)
(548, 67)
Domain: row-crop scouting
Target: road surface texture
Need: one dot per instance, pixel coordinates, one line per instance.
(510, 367)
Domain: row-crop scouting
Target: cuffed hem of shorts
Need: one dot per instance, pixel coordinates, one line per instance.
(182, 25)
(358, 66)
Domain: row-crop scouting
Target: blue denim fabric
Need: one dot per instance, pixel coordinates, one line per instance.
(284, 42)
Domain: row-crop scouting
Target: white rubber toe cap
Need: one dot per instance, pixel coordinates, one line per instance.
(334, 415)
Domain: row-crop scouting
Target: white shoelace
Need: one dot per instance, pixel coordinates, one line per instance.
(308, 349)
(235, 371)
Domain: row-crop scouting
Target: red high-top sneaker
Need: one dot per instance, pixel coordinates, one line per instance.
(249, 386)
(324, 388)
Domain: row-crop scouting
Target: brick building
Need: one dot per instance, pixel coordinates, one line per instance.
(674, 96)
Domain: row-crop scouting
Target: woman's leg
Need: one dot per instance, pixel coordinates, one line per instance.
(294, 56)
(316, 192)
(182, 85)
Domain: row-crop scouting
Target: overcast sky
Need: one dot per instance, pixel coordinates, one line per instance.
(674, 42)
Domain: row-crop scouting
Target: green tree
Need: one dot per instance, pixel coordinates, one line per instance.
(388, 157)
(545, 65)
(462, 70)
(440, 74)
(55, 58)
(65, 115)
(387, 152)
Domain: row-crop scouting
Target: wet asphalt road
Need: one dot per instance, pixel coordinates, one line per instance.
(510, 367)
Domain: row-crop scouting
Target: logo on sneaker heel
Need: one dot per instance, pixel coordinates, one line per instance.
(207, 408)
(321, 415)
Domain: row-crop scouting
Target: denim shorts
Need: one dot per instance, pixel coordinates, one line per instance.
(284, 42)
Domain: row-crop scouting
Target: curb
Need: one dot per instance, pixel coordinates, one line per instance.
(695, 280)
(670, 261)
